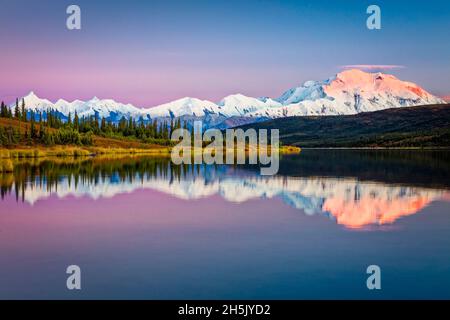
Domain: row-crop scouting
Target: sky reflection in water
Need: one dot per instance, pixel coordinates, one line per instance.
(224, 232)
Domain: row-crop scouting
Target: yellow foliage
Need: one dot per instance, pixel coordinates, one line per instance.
(6, 165)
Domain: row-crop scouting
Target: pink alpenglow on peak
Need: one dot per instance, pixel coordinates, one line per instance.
(349, 92)
(371, 84)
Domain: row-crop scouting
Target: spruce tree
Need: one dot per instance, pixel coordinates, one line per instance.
(17, 114)
(24, 112)
(103, 126)
(33, 132)
(3, 110)
(76, 124)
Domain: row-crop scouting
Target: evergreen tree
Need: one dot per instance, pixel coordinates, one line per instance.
(76, 123)
(103, 125)
(17, 113)
(23, 111)
(3, 110)
(33, 132)
(96, 122)
(17, 135)
(122, 124)
(41, 130)
(155, 128)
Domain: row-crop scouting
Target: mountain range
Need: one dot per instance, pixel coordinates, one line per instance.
(347, 93)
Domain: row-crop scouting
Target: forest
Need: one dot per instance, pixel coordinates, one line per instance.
(47, 128)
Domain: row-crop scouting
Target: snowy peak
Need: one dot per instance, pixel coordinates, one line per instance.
(31, 95)
(309, 91)
(353, 82)
(241, 105)
(31, 99)
(104, 108)
(182, 107)
(373, 84)
(348, 92)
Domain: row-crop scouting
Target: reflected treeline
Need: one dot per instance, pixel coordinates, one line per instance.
(92, 171)
(426, 168)
(356, 189)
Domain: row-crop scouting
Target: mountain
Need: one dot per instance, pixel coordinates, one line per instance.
(418, 126)
(352, 92)
(107, 108)
(349, 92)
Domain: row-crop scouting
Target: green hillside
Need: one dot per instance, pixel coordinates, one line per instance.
(422, 126)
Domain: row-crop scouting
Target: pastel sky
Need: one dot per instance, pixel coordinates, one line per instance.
(151, 52)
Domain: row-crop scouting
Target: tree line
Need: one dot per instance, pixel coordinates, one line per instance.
(51, 127)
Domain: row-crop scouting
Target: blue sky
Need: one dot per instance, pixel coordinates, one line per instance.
(150, 52)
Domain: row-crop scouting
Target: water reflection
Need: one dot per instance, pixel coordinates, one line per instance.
(356, 197)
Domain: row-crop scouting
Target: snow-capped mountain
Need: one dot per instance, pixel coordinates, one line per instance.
(107, 108)
(349, 92)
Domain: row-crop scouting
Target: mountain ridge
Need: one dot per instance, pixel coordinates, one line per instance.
(416, 126)
(348, 92)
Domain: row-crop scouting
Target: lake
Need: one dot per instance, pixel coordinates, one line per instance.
(141, 228)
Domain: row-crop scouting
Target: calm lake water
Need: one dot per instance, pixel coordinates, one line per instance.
(140, 228)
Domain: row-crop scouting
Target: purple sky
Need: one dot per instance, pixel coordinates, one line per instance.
(151, 52)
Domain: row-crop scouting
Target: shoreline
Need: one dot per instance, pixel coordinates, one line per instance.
(376, 148)
(74, 151)
(10, 156)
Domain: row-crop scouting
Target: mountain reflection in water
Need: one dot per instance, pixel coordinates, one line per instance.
(356, 189)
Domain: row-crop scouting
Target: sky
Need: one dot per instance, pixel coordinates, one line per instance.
(151, 52)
